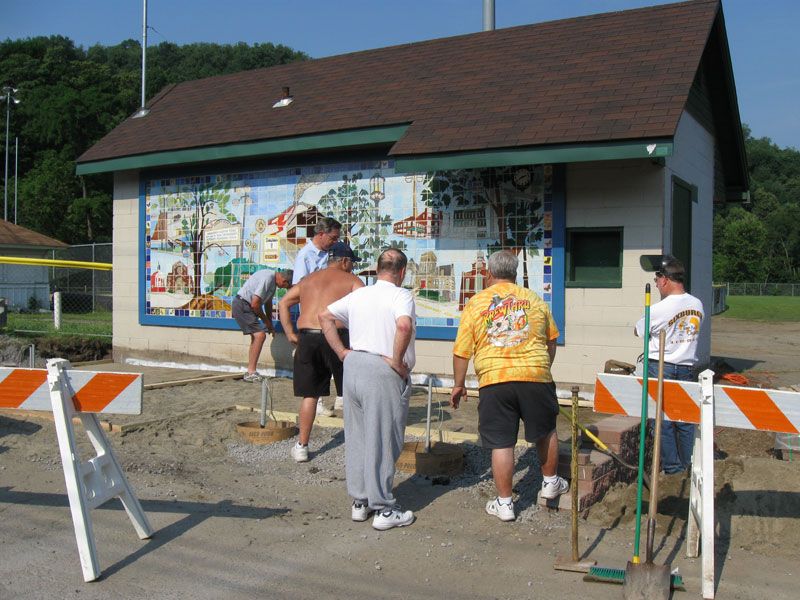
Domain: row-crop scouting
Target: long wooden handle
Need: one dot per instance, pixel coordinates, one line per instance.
(652, 509)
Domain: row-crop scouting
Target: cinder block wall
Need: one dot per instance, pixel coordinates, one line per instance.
(599, 321)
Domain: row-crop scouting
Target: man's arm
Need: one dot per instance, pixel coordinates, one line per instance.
(551, 349)
(459, 380)
(328, 324)
(257, 304)
(402, 337)
(291, 298)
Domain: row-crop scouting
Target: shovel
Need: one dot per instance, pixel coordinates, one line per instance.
(648, 581)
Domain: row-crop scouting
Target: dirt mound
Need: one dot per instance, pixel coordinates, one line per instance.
(14, 351)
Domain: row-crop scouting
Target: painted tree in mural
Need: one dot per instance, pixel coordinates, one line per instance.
(519, 217)
(202, 206)
(360, 216)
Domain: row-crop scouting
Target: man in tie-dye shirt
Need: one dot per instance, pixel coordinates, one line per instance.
(510, 334)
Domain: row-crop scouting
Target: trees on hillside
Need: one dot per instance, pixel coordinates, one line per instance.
(761, 241)
(71, 97)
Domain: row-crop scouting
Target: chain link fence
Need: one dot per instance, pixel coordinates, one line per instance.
(85, 294)
(761, 289)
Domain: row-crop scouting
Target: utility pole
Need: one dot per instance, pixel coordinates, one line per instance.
(16, 175)
(8, 92)
(142, 110)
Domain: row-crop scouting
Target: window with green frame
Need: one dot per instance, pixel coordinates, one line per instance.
(594, 257)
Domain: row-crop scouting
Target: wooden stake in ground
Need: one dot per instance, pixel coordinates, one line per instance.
(575, 564)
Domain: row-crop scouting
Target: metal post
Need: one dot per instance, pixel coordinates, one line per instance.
(428, 420)
(488, 15)
(32, 356)
(142, 110)
(94, 293)
(57, 310)
(5, 181)
(264, 394)
(16, 178)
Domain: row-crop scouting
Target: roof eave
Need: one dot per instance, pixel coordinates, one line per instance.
(532, 155)
(370, 136)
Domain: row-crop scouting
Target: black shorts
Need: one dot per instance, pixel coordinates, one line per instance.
(315, 362)
(248, 320)
(502, 405)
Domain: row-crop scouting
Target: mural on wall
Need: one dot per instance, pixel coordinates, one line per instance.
(205, 235)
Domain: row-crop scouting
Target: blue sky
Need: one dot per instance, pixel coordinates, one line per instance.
(762, 35)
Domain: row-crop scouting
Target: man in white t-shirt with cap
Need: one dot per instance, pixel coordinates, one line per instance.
(381, 319)
(680, 315)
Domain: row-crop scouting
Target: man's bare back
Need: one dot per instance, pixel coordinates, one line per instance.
(315, 292)
(321, 288)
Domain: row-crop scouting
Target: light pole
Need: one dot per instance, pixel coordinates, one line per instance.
(8, 93)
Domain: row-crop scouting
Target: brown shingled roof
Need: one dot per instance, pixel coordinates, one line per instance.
(608, 77)
(15, 235)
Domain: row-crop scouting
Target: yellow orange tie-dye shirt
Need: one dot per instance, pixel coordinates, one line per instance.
(506, 329)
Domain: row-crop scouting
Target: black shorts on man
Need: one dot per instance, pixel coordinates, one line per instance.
(501, 407)
(315, 362)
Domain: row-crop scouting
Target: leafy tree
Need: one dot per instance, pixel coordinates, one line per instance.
(71, 97)
(360, 216)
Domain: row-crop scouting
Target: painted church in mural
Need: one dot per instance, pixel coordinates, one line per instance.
(205, 235)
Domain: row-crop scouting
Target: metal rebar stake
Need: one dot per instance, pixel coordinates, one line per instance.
(428, 419)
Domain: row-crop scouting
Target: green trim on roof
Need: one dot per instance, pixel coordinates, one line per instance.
(303, 143)
(536, 155)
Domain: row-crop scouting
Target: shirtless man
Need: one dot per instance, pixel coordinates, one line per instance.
(314, 361)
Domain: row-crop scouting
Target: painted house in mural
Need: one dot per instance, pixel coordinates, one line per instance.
(578, 144)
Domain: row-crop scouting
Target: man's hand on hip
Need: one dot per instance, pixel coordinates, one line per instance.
(399, 368)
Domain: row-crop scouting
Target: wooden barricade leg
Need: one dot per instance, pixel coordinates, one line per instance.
(92, 483)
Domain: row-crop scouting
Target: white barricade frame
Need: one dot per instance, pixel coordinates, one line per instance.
(708, 405)
(93, 482)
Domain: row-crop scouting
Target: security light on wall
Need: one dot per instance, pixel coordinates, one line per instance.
(285, 101)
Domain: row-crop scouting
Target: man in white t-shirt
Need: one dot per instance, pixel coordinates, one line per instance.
(381, 319)
(680, 315)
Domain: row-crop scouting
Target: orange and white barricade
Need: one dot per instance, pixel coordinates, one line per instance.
(91, 483)
(708, 405)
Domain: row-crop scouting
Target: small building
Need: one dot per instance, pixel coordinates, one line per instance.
(579, 144)
(25, 286)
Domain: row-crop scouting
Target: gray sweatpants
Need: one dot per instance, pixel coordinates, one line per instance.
(375, 413)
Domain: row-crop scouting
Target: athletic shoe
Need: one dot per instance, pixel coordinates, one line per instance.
(323, 410)
(252, 377)
(339, 403)
(360, 511)
(392, 517)
(551, 491)
(299, 453)
(504, 512)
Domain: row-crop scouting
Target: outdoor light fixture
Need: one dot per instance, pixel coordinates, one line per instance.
(285, 101)
(8, 96)
(377, 187)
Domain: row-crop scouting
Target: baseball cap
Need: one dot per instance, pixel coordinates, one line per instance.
(342, 250)
(671, 268)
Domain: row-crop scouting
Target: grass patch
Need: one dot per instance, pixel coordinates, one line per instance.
(763, 308)
(96, 323)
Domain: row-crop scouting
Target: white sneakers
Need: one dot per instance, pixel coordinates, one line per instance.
(252, 377)
(299, 453)
(323, 410)
(338, 403)
(360, 511)
(392, 517)
(504, 512)
(551, 491)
